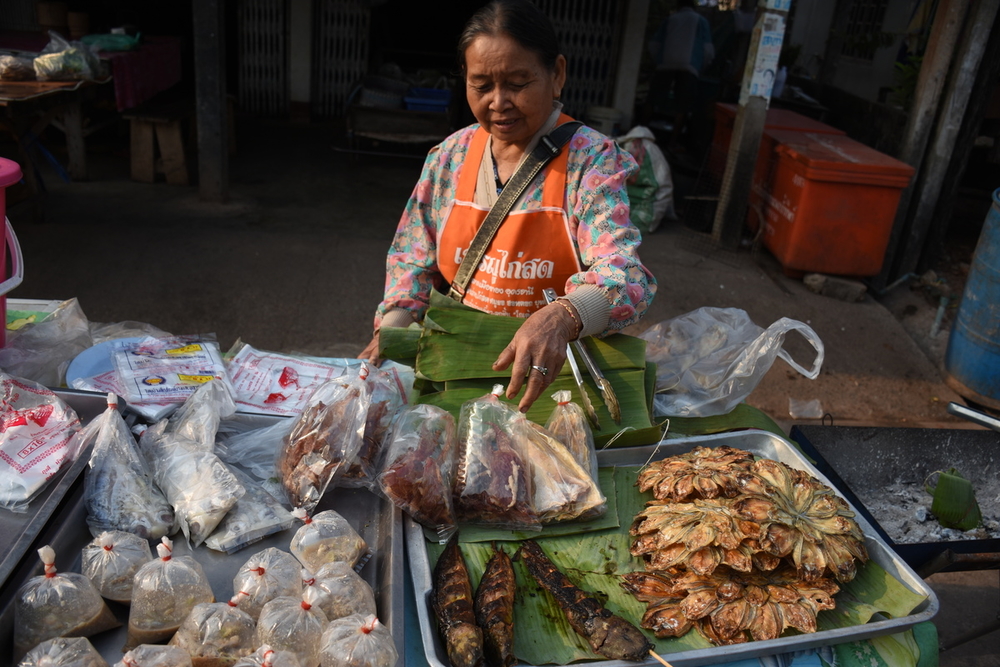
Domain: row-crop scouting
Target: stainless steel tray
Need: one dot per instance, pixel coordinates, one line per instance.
(760, 443)
(378, 521)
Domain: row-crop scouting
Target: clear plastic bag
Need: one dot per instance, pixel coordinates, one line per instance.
(254, 449)
(340, 591)
(293, 624)
(63, 652)
(42, 351)
(62, 60)
(164, 592)
(358, 641)
(493, 481)
(216, 633)
(418, 469)
(326, 538)
(265, 656)
(155, 655)
(167, 370)
(256, 515)
(57, 604)
(111, 560)
(13, 68)
(568, 424)
(324, 440)
(385, 398)
(199, 417)
(562, 489)
(119, 491)
(38, 439)
(269, 574)
(709, 360)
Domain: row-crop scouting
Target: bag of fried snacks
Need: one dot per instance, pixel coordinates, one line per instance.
(340, 591)
(155, 655)
(324, 440)
(266, 575)
(57, 604)
(326, 538)
(568, 424)
(293, 624)
(63, 652)
(418, 468)
(216, 634)
(385, 392)
(493, 481)
(164, 592)
(119, 490)
(265, 656)
(256, 515)
(562, 489)
(111, 560)
(357, 641)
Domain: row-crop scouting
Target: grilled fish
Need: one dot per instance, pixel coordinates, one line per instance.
(608, 635)
(494, 608)
(453, 606)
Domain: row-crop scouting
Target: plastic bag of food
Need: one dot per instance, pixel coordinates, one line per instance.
(341, 591)
(418, 467)
(41, 351)
(562, 489)
(165, 370)
(265, 656)
(63, 652)
(357, 641)
(273, 383)
(13, 68)
(198, 418)
(56, 604)
(164, 592)
(256, 515)
(38, 438)
(493, 481)
(268, 574)
(61, 60)
(216, 633)
(111, 560)
(119, 491)
(324, 440)
(155, 655)
(568, 424)
(293, 624)
(326, 538)
(253, 449)
(709, 360)
(385, 392)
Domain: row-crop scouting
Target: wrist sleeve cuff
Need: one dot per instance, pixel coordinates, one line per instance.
(593, 308)
(397, 317)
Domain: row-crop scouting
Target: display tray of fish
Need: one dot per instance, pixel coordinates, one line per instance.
(729, 546)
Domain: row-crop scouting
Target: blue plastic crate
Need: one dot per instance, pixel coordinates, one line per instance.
(424, 104)
(431, 95)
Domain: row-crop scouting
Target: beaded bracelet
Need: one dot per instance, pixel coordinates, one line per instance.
(569, 309)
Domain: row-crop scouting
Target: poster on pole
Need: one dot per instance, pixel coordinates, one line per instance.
(768, 35)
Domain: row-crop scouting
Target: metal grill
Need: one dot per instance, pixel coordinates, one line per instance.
(263, 49)
(340, 58)
(588, 32)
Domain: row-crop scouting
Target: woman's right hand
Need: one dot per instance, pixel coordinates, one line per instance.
(370, 353)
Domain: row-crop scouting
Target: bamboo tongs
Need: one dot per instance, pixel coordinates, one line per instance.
(607, 392)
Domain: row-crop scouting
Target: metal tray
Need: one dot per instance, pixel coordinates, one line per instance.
(760, 443)
(378, 521)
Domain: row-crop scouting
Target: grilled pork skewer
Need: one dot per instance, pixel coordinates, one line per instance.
(608, 635)
(495, 609)
(452, 603)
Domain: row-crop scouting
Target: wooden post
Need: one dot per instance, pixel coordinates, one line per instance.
(629, 59)
(758, 77)
(948, 21)
(210, 100)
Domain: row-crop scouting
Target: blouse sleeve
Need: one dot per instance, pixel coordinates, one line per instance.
(608, 242)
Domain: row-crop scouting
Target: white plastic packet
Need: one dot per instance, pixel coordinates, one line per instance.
(273, 383)
(155, 655)
(158, 370)
(107, 383)
(63, 652)
(357, 641)
(269, 574)
(37, 440)
(199, 417)
(111, 560)
(293, 624)
(216, 633)
(341, 590)
(326, 538)
(256, 515)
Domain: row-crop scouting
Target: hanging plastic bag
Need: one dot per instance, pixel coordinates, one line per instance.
(324, 440)
(293, 624)
(651, 188)
(155, 655)
(270, 574)
(358, 641)
(57, 604)
(39, 437)
(340, 591)
(216, 633)
(42, 351)
(63, 652)
(256, 515)
(709, 360)
(111, 560)
(326, 538)
(385, 398)
(418, 469)
(119, 491)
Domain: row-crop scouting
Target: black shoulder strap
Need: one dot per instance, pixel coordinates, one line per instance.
(548, 147)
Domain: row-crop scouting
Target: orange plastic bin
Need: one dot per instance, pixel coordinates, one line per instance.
(831, 204)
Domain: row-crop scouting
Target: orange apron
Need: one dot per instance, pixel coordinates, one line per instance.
(532, 250)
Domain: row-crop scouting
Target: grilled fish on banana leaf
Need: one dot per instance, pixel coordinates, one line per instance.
(453, 606)
(494, 608)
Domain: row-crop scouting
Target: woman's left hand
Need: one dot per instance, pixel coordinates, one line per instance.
(537, 352)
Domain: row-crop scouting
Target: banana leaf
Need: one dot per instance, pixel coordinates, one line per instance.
(399, 344)
(740, 417)
(594, 560)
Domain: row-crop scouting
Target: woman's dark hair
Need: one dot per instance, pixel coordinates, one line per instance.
(519, 19)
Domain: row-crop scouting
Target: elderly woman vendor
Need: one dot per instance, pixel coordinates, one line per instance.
(570, 230)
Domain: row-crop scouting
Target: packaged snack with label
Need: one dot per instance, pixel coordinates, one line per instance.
(158, 370)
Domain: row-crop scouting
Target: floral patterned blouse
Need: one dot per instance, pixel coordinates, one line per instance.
(597, 202)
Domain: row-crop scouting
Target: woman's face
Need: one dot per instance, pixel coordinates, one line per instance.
(509, 90)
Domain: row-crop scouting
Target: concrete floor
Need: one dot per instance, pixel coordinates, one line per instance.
(295, 263)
